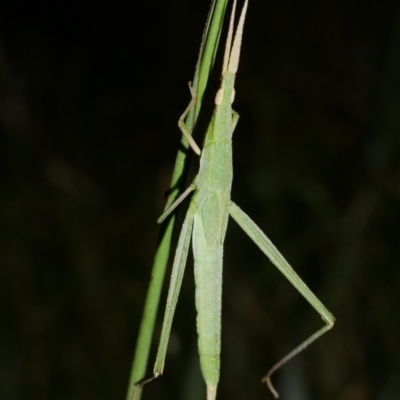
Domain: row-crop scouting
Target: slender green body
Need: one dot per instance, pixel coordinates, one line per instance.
(210, 205)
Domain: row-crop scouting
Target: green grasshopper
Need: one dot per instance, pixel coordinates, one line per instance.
(206, 222)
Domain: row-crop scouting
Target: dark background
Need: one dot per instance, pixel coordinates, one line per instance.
(90, 93)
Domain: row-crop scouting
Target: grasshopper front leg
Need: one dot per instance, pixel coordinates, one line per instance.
(183, 127)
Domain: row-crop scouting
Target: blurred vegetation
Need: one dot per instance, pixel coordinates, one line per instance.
(90, 93)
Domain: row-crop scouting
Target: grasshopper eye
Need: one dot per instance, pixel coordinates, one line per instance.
(219, 96)
(233, 95)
